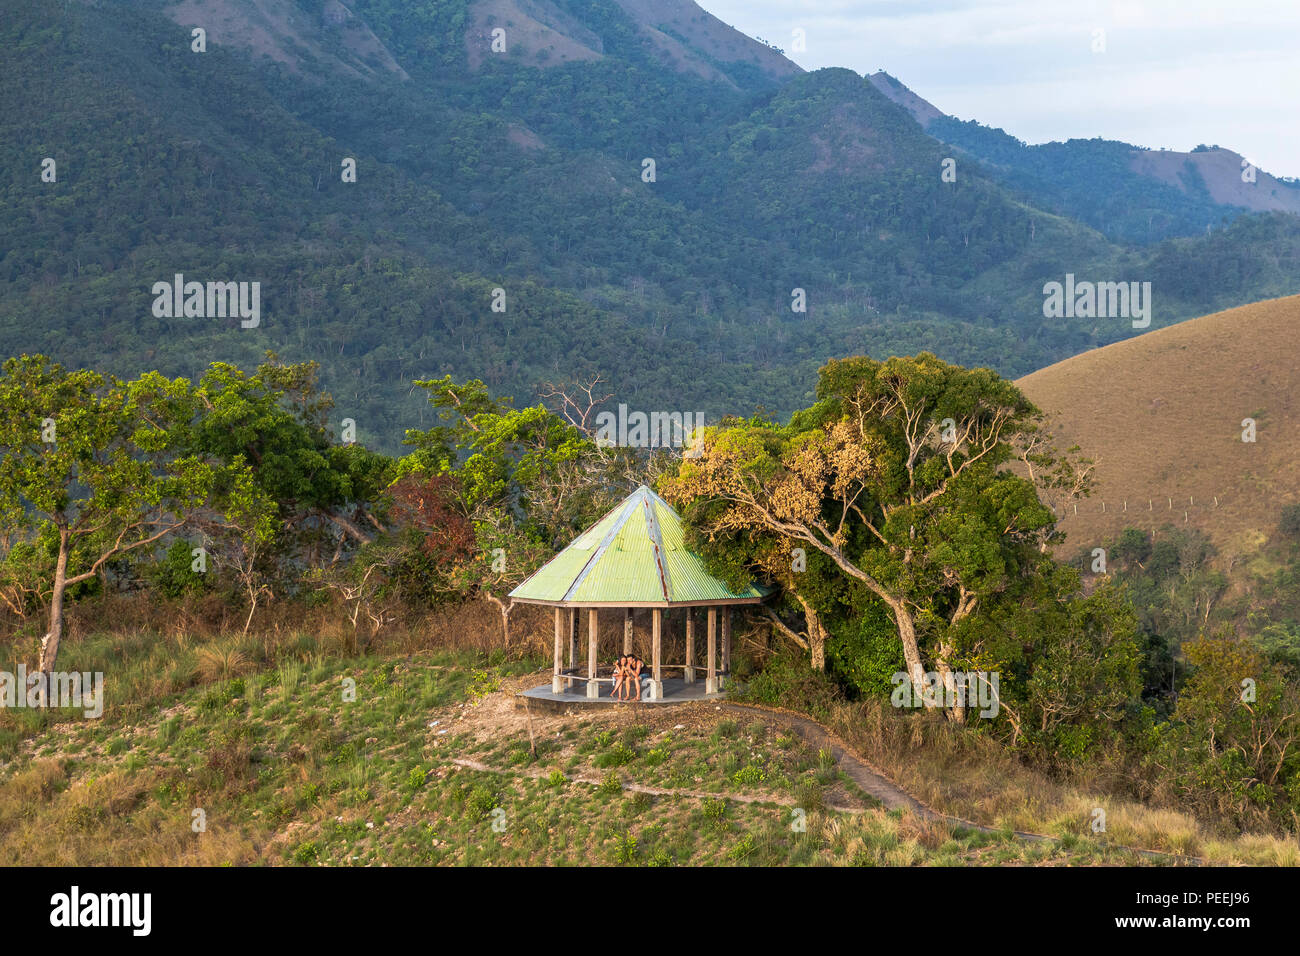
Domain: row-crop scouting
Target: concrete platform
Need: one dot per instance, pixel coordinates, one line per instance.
(676, 691)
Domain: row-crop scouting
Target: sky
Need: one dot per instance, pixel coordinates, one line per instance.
(1157, 73)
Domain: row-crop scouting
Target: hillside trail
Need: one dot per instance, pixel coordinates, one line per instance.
(633, 787)
(889, 793)
(499, 712)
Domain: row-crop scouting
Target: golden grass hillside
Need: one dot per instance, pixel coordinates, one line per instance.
(1161, 415)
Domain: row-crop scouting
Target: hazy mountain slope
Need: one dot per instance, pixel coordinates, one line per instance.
(690, 33)
(225, 166)
(382, 282)
(921, 110)
(1162, 417)
(1128, 193)
(1226, 177)
(287, 34)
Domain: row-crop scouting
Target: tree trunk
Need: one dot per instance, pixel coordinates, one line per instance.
(252, 609)
(817, 642)
(505, 616)
(816, 636)
(911, 650)
(957, 712)
(50, 643)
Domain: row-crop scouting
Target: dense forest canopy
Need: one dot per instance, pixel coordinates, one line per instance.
(501, 224)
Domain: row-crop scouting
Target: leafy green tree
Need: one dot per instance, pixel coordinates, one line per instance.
(98, 462)
(526, 479)
(1289, 523)
(277, 420)
(1233, 744)
(896, 477)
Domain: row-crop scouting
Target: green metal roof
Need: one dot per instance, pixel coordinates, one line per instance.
(633, 555)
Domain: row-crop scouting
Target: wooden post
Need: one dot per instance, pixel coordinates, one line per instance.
(573, 639)
(627, 631)
(593, 630)
(557, 682)
(711, 678)
(726, 647)
(689, 672)
(656, 653)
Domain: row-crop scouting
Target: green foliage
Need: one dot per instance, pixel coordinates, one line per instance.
(1289, 523)
(173, 575)
(1174, 590)
(625, 850)
(100, 465)
(786, 681)
(620, 755)
(479, 801)
(306, 853)
(863, 650)
(1232, 746)
(715, 813)
(397, 288)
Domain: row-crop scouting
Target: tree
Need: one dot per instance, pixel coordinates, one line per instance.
(894, 476)
(1234, 740)
(524, 479)
(96, 462)
(277, 420)
(307, 492)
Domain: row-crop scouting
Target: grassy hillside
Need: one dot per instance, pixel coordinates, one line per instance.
(1161, 414)
(433, 752)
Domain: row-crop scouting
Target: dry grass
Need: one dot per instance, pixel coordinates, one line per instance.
(1161, 414)
(972, 777)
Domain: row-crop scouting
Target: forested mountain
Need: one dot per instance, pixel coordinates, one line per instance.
(1128, 193)
(652, 193)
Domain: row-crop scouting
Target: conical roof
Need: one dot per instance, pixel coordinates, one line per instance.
(632, 556)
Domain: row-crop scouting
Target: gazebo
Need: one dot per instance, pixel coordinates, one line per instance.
(634, 557)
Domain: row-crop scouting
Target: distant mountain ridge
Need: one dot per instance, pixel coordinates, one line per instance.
(685, 211)
(1129, 193)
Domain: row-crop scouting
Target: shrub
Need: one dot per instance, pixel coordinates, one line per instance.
(625, 849)
(786, 680)
(173, 574)
(636, 804)
(715, 812)
(306, 853)
(726, 730)
(743, 848)
(479, 802)
(617, 756)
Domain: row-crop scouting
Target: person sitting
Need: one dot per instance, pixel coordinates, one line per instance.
(621, 674)
(635, 666)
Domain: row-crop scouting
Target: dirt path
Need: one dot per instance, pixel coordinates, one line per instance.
(499, 712)
(890, 794)
(655, 791)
